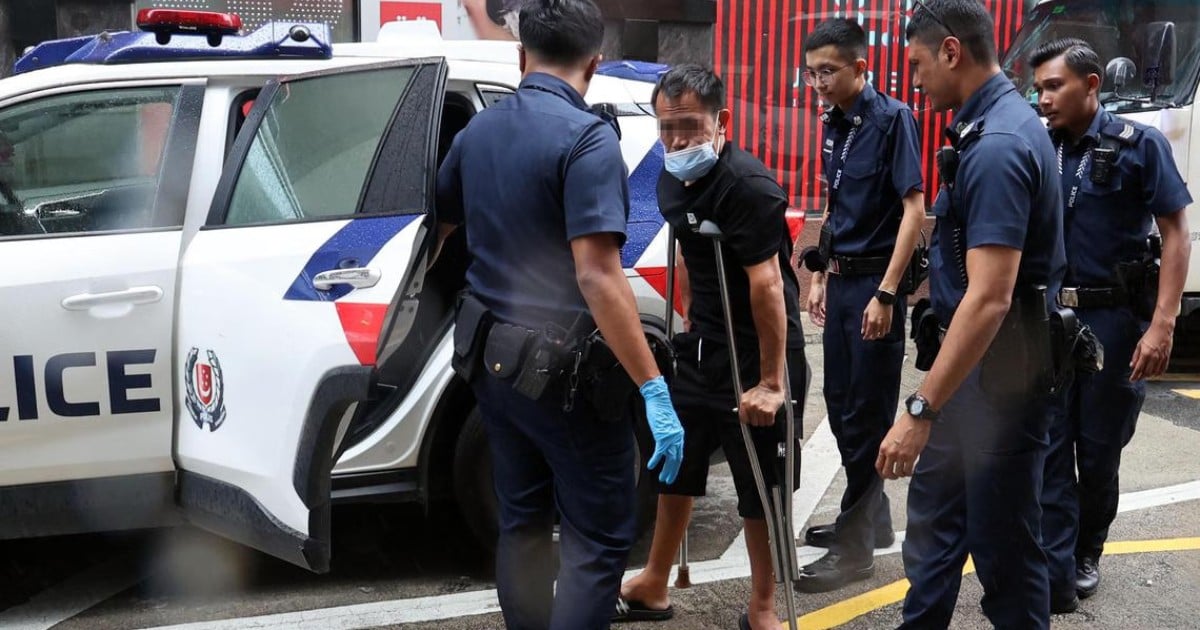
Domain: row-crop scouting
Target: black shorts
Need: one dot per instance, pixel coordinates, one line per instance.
(702, 392)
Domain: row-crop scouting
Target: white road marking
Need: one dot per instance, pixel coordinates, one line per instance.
(484, 602)
(820, 461)
(73, 596)
(820, 464)
(1157, 497)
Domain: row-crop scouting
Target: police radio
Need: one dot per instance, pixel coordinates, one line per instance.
(947, 165)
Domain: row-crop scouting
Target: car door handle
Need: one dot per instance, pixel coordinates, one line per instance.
(358, 277)
(133, 295)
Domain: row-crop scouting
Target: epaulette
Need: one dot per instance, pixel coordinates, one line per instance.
(964, 134)
(1122, 131)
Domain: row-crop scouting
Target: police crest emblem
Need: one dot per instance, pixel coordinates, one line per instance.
(204, 389)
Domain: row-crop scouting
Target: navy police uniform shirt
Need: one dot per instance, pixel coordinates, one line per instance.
(744, 200)
(1108, 223)
(527, 176)
(879, 168)
(1007, 194)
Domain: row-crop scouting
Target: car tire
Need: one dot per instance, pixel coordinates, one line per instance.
(475, 494)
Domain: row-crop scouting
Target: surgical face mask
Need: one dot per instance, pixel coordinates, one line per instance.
(692, 163)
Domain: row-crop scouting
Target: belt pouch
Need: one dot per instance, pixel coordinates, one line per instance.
(542, 367)
(1018, 365)
(916, 273)
(825, 242)
(470, 328)
(504, 352)
(925, 329)
(604, 382)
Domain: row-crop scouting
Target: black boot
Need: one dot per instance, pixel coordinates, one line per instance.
(832, 572)
(1087, 577)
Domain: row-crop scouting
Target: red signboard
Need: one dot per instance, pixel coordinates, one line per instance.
(390, 11)
(757, 49)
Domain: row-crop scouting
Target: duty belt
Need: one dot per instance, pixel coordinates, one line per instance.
(1083, 297)
(854, 266)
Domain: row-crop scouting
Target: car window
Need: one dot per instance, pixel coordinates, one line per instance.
(312, 153)
(83, 162)
(492, 94)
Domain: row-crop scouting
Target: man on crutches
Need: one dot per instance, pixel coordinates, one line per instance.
(706, 178)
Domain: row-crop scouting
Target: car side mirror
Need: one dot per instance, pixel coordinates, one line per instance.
(1159, 55)
(1120, 72)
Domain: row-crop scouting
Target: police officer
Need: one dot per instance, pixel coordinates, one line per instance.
(540, 184)
(1118, 177)
(872, 223)
(979, 421)
(706, 177)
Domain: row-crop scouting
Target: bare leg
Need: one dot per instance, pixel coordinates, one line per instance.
(762, 577)
(650, 586)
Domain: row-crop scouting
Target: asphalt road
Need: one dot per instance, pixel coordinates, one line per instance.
(395, 566)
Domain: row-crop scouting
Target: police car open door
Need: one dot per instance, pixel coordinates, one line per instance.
(313, 251)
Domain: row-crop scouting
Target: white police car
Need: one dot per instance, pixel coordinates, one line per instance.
(217, 308)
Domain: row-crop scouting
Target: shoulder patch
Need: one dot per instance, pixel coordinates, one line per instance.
(1123, 131)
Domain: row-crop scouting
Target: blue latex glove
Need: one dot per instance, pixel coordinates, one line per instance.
(664, 424)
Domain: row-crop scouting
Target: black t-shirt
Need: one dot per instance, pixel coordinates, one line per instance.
(744, 200)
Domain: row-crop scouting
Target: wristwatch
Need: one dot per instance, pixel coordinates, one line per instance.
(886, 298)
(918, 407)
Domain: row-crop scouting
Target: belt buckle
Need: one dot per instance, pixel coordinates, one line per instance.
(1069, 298)
(834, 265)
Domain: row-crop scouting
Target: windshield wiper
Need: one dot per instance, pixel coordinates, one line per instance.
(1117, 96)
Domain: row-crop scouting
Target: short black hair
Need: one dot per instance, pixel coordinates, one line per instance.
(693, 78)
(1081, 58)
(842, 33)
(561, 31)
(967, 20)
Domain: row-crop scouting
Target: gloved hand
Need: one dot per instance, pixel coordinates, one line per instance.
(664, 425)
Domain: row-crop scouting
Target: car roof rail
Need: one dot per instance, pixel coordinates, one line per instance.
(183, 36)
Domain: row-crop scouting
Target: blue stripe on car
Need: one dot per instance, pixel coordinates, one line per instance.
(355, 245)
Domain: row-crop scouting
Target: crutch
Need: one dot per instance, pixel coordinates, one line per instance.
(779, 520)
(683, 577)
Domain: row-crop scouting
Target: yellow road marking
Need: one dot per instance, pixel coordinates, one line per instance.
(1190, 393)
(1151, 546)
(850, 609)
(859, 605)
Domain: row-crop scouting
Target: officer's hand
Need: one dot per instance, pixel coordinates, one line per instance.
(1152, 353)
(665, 427)
(816, 301)
(903, 445)
(759, 405)
(877, 320)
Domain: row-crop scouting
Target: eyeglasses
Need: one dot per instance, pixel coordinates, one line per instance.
(936, 18)
(823, 75)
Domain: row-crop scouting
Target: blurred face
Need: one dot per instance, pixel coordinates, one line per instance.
(835, 78)
(932, 71)
(686, 122)
(1066, 98)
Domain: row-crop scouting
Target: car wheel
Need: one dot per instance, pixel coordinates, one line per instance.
(475, 494)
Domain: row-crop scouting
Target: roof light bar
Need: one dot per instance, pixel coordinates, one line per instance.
(274, 40)
(167, 22)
